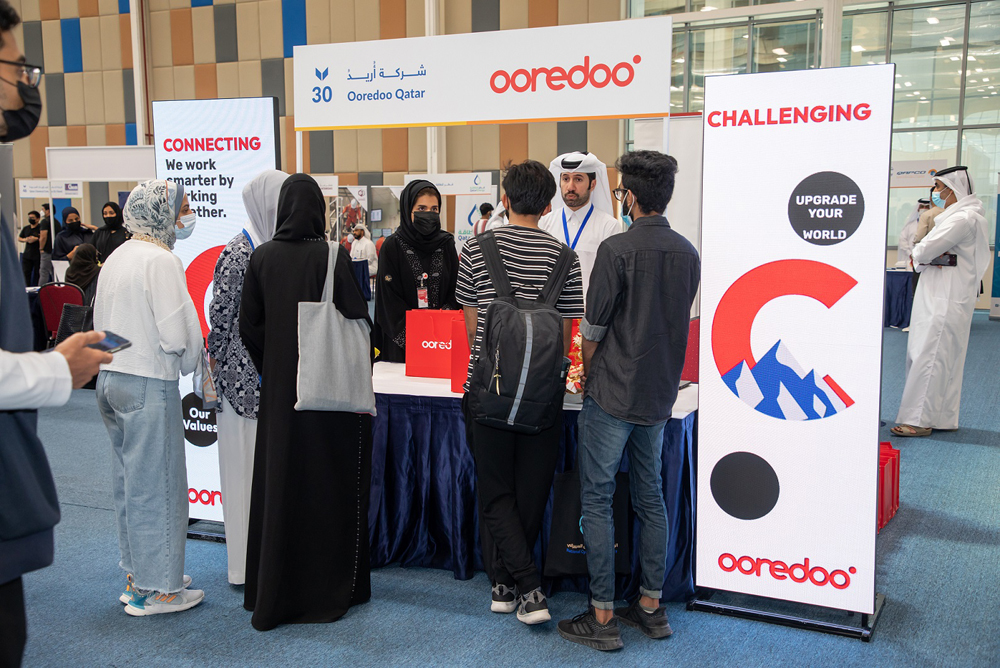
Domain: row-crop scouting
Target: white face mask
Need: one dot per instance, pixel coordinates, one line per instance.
(188, 222)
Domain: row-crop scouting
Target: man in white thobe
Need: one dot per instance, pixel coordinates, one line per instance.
(363, 248)
(943, 306)
(582, 215)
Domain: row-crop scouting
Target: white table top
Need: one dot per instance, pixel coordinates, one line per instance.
(391, 378)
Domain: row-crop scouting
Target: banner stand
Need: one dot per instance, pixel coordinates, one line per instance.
(702, 602)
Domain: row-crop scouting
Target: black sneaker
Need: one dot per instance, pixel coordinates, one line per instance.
(586, 630)
(534, 609)
(504, 599)
(652, 624)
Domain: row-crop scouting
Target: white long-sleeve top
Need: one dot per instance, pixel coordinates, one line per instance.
(142, 296)
(364, 249)
(33, 380)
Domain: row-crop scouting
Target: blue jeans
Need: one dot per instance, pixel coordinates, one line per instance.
(603, 439)
(149, 477)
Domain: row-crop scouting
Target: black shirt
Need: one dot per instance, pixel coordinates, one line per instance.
(639, 308)
(31, 251)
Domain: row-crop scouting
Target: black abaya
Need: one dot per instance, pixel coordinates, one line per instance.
(307, 551)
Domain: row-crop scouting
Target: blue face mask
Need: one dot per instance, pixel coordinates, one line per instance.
(188, 222)
(938, 202)
(626, 218)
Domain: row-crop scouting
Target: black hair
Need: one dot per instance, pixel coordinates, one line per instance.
(45, 205)
(650, 177)
(530, 187)
(485, 209)
(36, 213)
(9, 18)
(423, 191)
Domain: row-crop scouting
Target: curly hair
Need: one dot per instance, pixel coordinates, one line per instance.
(9, 18)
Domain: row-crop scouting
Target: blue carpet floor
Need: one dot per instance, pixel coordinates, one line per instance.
(938, 565)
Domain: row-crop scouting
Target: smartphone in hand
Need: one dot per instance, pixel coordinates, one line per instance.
(111, 343)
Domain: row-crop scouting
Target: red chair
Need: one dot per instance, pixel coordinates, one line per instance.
(51, 297)
(690, 371)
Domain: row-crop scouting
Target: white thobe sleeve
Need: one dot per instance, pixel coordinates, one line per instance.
(33, 380)
(945, 236)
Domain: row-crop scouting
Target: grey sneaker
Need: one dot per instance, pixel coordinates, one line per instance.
(584, 629)
(533, 609)
(504, 599)
(145, 603)
(127, 594)
(652, 624)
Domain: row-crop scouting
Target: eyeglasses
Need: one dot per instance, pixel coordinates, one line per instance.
(619, 193)
(32, 73)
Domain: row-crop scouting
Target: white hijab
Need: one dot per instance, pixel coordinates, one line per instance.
(260, 198)
(585, 163)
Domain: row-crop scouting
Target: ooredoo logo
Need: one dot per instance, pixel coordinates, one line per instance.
(436, 345)
(777, 385)
(779, 570)
(557, 78)
(204, 496)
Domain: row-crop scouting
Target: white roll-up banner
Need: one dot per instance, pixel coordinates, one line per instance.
(619, 69)
(212, 147)
(795, 201)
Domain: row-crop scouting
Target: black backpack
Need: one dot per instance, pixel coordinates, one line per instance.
(519, 379)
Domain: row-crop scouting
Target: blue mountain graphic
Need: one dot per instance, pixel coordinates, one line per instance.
(770, 375)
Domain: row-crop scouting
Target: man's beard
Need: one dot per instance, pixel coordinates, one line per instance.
(581, 200)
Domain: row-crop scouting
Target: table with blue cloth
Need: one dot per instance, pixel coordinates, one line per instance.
(423, 498)
(364, 278)
(898, 298)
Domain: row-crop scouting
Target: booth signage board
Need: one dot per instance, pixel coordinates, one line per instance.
(40, 189)
(914, 173)
(328, 184)
(793, 271)
(213, 147)
(473, 183)
(571, 72)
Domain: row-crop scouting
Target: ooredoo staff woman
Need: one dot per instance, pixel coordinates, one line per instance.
(418, 268)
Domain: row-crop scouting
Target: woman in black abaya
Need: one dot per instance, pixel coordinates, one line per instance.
(418, 247)
(307, 551)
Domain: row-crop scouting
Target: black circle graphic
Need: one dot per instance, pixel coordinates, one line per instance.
(745, 486)
(826, 208)
(199, 422)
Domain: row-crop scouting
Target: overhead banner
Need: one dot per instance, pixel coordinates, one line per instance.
(574, 72)
(793, 269)
(914, 173)
(213, 148)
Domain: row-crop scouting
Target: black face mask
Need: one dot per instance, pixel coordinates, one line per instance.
(73, 227)
(426, 222)
(22, 122)
(111, 223)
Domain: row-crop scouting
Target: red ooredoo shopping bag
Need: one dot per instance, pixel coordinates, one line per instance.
(459, 353)
(428, 342)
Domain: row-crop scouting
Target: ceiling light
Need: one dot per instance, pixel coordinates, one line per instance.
(923, 98)
(973, 81)
(907, 83)
(779, 52)
(986, 78)
(923, 102)
(708, 8)
(782, 60)
(972, 58)
(946, 41)
(955, 58)
(857, 48)
(979, 69)
(678, 60)
(899, 76)
(933, 20)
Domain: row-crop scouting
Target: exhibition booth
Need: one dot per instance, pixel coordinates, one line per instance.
(782, 420)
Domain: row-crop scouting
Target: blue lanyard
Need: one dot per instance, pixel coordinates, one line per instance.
(580, 231)
(247, 235)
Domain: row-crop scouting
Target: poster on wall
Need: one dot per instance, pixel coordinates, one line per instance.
(793, 260)
(213, 148)
(568, 72)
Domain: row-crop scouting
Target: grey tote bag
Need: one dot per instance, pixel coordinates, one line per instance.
(335, 371)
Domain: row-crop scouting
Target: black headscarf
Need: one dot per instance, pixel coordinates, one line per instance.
(301, 210)
(425, 244)
(66, 213)
(116, 222)
(83, 268)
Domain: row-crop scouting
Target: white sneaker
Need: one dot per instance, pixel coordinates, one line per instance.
(127, 594)
(533, 609)
(504, 599)
(158, 603)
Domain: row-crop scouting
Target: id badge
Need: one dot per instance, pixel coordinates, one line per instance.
(422, 298)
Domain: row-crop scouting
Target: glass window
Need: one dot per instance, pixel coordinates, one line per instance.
(920, 145)
(714, 51)
(677, 91)
(659, 7)
(790, 45)
(927, 47)
(981, 154)
(982, 83)
(863, 39)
